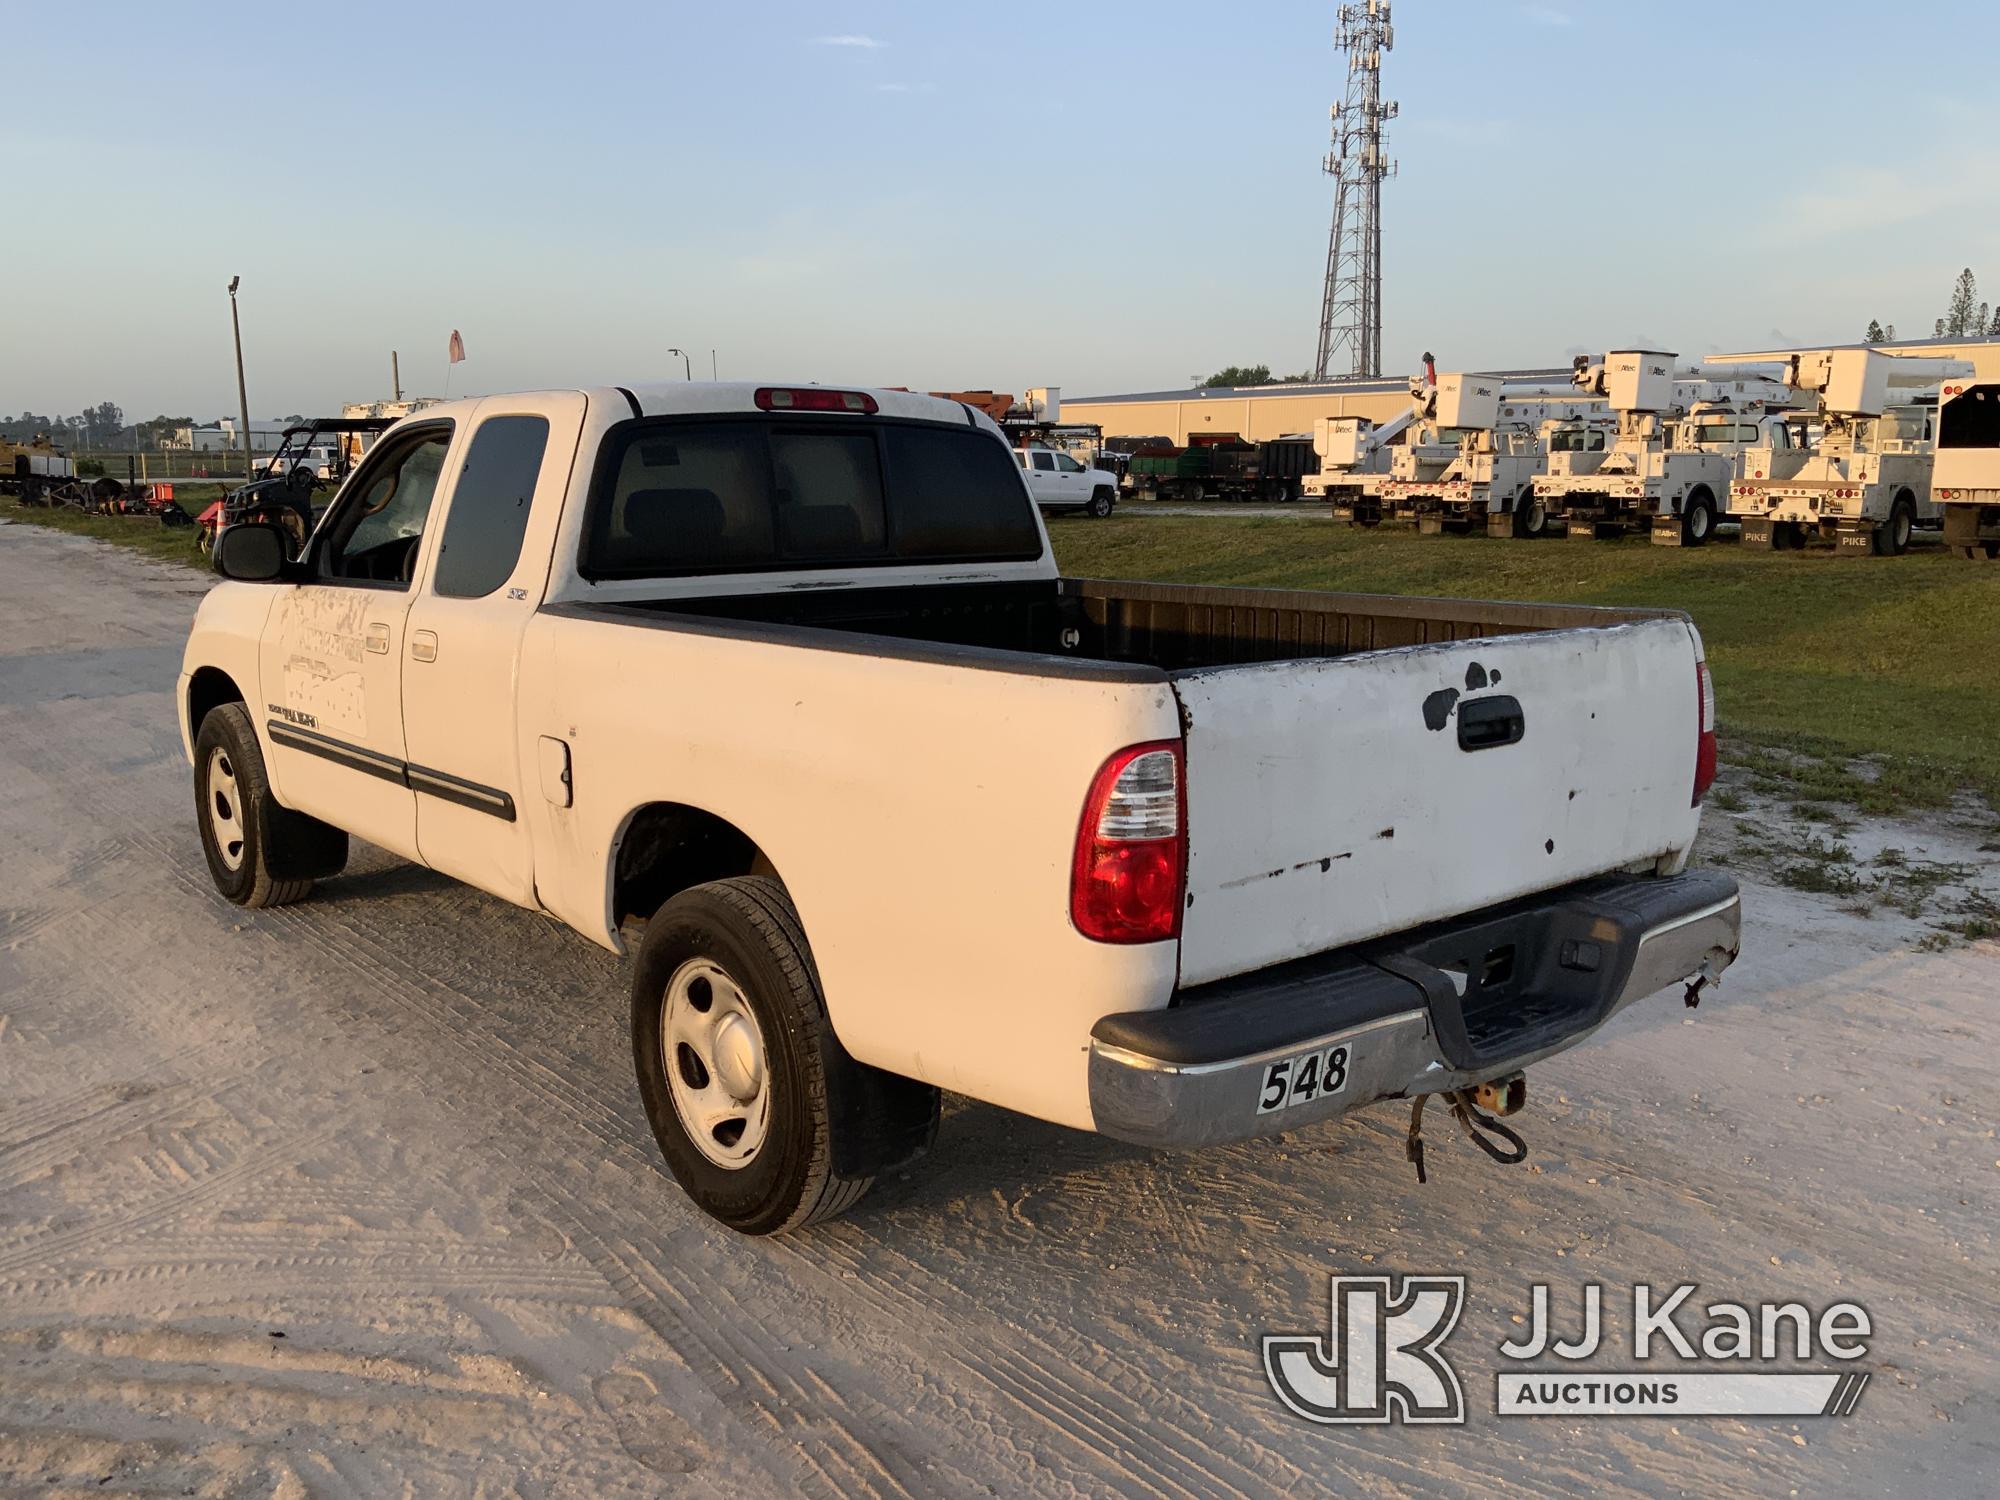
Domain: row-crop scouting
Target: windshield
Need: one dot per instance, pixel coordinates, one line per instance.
(676, 496)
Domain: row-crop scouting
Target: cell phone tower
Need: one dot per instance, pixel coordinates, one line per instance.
(1350, 314)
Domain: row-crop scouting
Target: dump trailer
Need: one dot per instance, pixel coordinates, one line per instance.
(1866, 485)
(1677, 447)
(1227, 468)
(1965, 467)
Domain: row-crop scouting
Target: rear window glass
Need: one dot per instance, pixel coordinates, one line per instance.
(676, 496)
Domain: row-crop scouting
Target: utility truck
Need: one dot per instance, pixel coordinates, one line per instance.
(781, 684)
(1349, 450)
(1462, 467)
(1866, 485)
(1663, 473)
(1965, 472)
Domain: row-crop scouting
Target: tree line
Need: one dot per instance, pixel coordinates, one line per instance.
(99, 426)
(1245, 375)
(1965, 316)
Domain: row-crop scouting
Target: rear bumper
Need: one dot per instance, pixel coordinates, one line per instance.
(1442, 1008)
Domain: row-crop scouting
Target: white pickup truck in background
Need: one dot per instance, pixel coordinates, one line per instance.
(1059, 482)
(784, 681)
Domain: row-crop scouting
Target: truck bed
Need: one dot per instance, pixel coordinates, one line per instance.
(1172, 627)
(1356, 764)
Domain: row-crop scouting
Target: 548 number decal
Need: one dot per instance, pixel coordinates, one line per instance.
(1302, 1079)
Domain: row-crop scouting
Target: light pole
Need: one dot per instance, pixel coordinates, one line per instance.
(242, 396)
(686, 363)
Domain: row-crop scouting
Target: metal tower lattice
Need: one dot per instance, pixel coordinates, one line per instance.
(1350, 315)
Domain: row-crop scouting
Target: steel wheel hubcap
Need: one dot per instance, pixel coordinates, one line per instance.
(717, 1069)
(225, 808)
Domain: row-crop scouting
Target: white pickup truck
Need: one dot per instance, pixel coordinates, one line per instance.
(783, 681)
(1058, 482)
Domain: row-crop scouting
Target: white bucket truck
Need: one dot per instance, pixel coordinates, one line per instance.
(1664, 473)
(1866, 485)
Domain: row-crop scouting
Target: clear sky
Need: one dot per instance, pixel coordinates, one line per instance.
(1101, 196)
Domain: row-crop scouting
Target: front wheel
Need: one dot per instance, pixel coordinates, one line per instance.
(763, 1117)
(1101, 501)
(260, 853)
(1697, 517)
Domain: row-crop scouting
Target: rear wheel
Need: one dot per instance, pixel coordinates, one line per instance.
(763, 1117)
(1892, 537)
(260, 853)
(1531, 515)
(1697, 517)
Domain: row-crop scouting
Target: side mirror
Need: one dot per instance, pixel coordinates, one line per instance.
(251, 552)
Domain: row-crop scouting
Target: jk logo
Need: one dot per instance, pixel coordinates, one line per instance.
(1380, 1362)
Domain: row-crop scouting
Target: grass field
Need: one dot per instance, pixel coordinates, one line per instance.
(141, 534)
(1817, 659)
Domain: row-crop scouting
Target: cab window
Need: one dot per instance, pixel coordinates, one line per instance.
(1045, 460)
(1067, 464)
(488, 519)
(377, 525)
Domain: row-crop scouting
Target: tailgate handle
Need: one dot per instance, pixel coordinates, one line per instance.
(1486, 722)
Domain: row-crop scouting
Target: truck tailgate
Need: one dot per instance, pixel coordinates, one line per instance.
(1330, 801)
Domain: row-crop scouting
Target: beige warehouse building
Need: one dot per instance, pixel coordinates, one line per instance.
(1260, 412)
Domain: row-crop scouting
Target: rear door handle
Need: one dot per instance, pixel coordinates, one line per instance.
(1484, 723)
(378, 637)
(423, 645)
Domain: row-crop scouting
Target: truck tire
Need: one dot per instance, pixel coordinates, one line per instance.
(1697, 517)
(1531, 515)
(1192, 489)
(260, 853)
(1892, 537)
(764, 1119)
(1102, 499)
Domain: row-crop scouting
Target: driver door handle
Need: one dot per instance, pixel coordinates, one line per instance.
(423, 645)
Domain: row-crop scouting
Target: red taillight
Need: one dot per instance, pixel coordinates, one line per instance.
(1704, 750)
(814, 398)
(1131, 850)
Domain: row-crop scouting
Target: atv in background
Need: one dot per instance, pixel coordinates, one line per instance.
(311, 462)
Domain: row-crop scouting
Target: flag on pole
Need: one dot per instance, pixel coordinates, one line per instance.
(457, 348)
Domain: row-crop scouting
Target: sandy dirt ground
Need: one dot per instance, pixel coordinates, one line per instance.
(355, 1197)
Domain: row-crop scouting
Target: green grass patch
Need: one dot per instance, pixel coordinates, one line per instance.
(142, 534)
(1822, 868)
(1819, 660)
